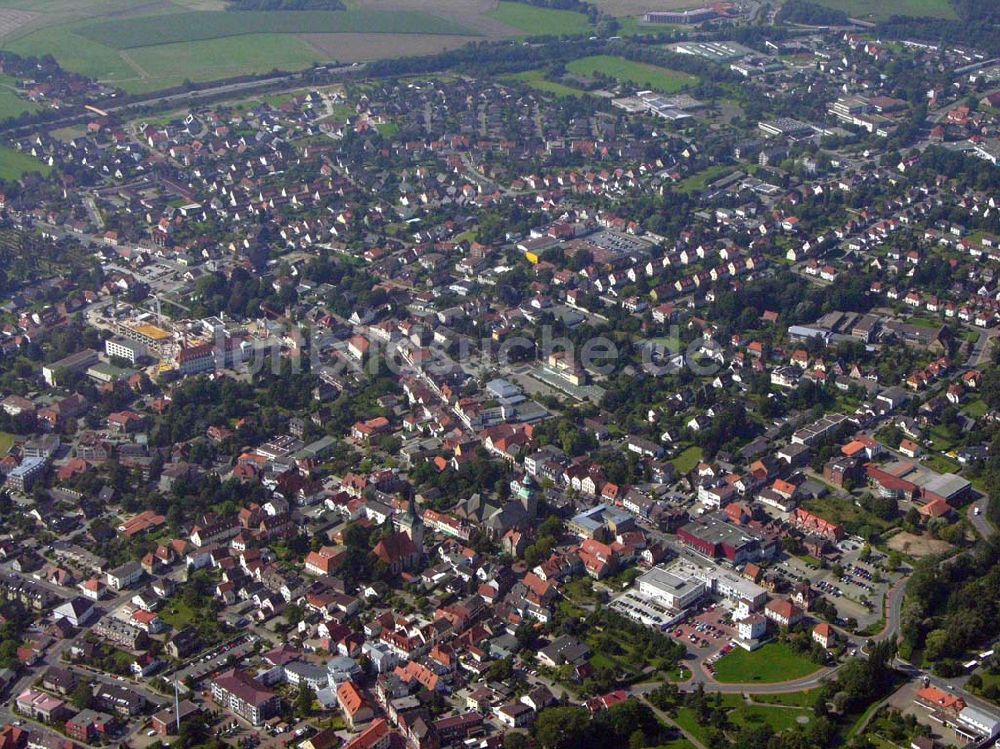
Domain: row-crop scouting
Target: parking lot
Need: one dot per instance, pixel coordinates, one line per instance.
(215, 659)
(849, 591)
(707, 633)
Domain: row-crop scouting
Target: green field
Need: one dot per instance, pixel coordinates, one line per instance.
(12, 105)
(536, 79)
(146, 31)
(637, 73)
(772, 663)
(688, 460)
(882, 10)
(6, 443)
(14, 164)
(535, 21)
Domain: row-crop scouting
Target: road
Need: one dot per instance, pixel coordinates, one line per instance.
(978, 520)
(781, 687)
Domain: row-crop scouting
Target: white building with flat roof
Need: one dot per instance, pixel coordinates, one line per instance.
(979, 721)
(721, 582)
(676, 591)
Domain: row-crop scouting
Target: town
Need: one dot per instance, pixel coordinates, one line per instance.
(641, 390)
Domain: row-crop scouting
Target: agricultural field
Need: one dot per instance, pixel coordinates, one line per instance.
(867, 10)
(540, 21)
(166, 65)
(360, 47)
(144, 46)
(774, 662)
(14, 164)
(146, 31)
(637, 73)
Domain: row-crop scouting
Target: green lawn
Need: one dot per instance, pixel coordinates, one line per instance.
(886, 8)
(941, 464)
(637, 73)
(536, 79)
(806, 698)
(535, 21)
(772, 663)
(778, 718)
(6, 442)
(178, 614)
(14, 164)
(680, 743)
(941, 439)
(844, 511)
(924, 322)
(976, 410)
(687, 719)
(700, 181)
(388, 130)
(688, 460)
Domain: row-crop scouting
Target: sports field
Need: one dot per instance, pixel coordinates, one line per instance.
(637, 73)
(865, 9)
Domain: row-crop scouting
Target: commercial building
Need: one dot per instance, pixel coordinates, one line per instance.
(77, 362)
(24, 476)
(239, 693)
(150, 337)
(676, 591)
(715, 538)
(978, 723)
(601, 520)
(729, 585)
(682, 17)
(165, 722)
(124, 576)
(786, 127)
(121, 348)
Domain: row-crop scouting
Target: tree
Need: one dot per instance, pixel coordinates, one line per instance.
(82, 696)
(304, 701)
(562, 727)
